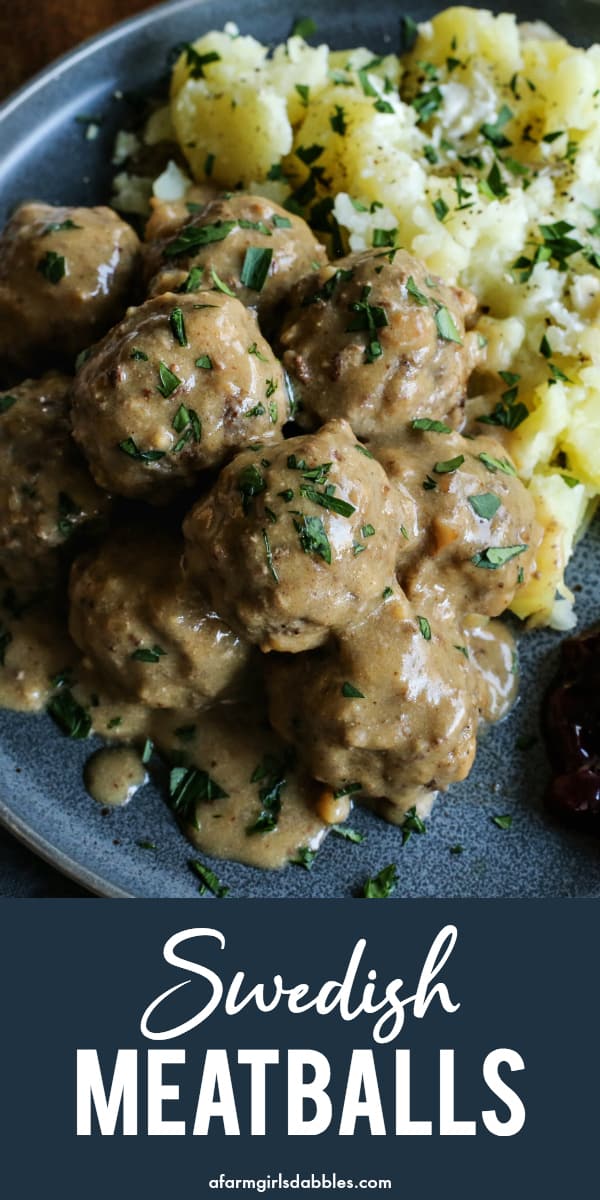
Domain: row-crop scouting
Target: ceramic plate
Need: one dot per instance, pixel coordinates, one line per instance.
(42, 800)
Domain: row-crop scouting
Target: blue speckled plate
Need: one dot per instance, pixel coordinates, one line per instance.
(45, 155)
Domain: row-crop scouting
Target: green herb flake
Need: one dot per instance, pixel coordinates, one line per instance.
(139, 355)
(348, 834)
(492, 132)
(305, 857)
(324, 500)
(426, 103)
(193, 281)
(147, 654)
(456, 850)
(446, 326)
(337, 121)
(209, 882)
(129, 446)
(177, 324)
(313, 538)
(417, 295)
(363, 450)
(384, 237)
(52, 266)
(219, 285)
(382, 885)
(412, 824)
(72, 720)
(496, 464)
(350, 692)
(269, 555)
(425, 628)
(496, 556)
(147, 751)
(168, 381)
(440, 208)
(197, 62)
(450, 465)
(255, 267)
(303, 27)
(250, 484)
(189, 786)
(427, 425)
(204, 362)
(503, 822)
(462, 650)
(485, 505)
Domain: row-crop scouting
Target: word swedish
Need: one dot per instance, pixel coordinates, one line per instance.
(310, 1108)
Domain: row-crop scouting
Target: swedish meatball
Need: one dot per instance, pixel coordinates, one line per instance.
(296, 540)
(476, 535)
(46, 491)
(178, 386)
(377, 340)
(66, 275)
(137, 620)
(386, 705)
(237, 238)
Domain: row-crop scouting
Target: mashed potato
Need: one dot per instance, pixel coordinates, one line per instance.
(478, 151)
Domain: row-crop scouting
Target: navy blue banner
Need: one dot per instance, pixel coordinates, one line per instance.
(263, 1048)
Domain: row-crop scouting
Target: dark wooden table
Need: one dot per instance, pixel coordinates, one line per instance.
(31, 35)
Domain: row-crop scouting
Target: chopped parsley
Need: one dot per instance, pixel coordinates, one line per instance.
(424, 627)
(192, 237)
(271, 775)
(381, 886)
(72, 720)
(413, 291)
(147, 654)
(197, 62)
(305, 857)
(303, 91)
(189, 786)
(52, 266)
(250, 483)
(440, 208)
(177, 324)
(313, 538)
(59, 226)
(204, 362)
(209, 882)
(348, 834)
(140, 355)
(370, 317)
(450, 465)
(332, 503)
(147, 751)
(168, 382)
(493, 132)
(338, 120)
(130, 447)
(193, 281)
(219, 285)
(350, 692)
(412, 824)
(486, 505)
(427, 103)
(255, 267)
(503, 822)
(253, 349)
(427, 425)
(446, 325)
(384, 237)
(496, 556)
(496, 464)
(186, 422)
(304, 27)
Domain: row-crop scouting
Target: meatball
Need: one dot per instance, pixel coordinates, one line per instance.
(298, 542)
(46, 491)
(236, 239)
(377, 340)
(133, 614)
(66, 275)
(384, 709)
(178, 386)
(476, 536)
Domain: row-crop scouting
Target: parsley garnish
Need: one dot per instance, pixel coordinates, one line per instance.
(440, 208)
(450, 465)
(493, 132)
(73, 720)
(348, 834)
(192, 237)
(255, 267)
(271, 774)
(427, 103)
(496, 556)
(424, 627)
(369, 317)
(138, 354)
(486, 504)
(250, 483)
(430, 426)
(130, 447)
(503, 822)
(303, 27)
(177, 324)
(446, 325)
(338, 120)
(269, 554)
(148, 655)
(305, 857)
(381, 886)
(219, 285)
(496, 464)
(332, 503)
(351, 692)
(204, 362)
(209, 881)
(313, 538)
(197, 62)
(412, 824)
(193, 281)
(168, 381)
(189, 786)
(52, 266)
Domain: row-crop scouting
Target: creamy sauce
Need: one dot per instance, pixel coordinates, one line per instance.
(230, 742)
(114, 774)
